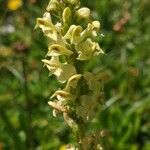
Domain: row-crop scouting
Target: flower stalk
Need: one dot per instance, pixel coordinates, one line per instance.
(71, 36)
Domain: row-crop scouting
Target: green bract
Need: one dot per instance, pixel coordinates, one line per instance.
(70, 40)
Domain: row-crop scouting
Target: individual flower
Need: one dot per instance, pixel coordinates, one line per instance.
(48, 28)
(87, 49)
(91, 30)
(74, 34)
(63, 71)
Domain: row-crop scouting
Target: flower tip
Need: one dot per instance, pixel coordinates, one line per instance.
(57, 106)
(49, 103)
(44, 60)
(102, 35)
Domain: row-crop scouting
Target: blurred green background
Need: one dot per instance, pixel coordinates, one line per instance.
(26, 121)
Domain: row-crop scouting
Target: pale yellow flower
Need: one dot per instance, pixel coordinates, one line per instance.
(62, 71)
(49, 29)
(87, 49)
(91, 30)
(68, 35)
(14, 4)
(74, 34)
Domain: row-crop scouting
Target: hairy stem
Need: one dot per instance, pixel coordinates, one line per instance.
(81, 133)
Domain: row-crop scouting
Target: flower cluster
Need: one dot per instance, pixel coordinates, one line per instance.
(72, 35)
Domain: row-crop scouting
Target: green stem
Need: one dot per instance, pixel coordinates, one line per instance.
(81, 133)
(79, 130)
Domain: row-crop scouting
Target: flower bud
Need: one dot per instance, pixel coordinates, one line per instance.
(84, 13)
(96, 25)
(66, 15)
(54, 5)
(73, 2)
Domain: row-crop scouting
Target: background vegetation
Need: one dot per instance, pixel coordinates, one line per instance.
(26, 120)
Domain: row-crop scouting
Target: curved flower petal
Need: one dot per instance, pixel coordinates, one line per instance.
(57, 106)
(53, 64)
(61, 95)
(56, 50)
(68, 35)
(76, 34)
(73, 81)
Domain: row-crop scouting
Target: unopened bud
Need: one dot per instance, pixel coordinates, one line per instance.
(84, 13)
(66, 15)
(73, 2)
(54, 5)
(96, 25)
